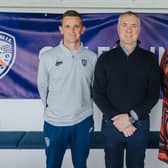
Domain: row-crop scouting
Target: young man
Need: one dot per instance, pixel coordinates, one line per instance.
(65, 77)
(126, 87)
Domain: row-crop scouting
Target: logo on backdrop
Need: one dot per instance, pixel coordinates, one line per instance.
(7, 52)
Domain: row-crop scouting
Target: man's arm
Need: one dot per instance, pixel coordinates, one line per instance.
(152, 91)
(100, 89)
(42, 80)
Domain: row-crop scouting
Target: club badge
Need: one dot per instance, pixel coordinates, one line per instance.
(7, 53)
(84, 62)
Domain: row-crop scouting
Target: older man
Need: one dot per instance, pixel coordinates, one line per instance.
(126, 87)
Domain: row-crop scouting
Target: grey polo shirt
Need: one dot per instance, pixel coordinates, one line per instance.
(64, 83)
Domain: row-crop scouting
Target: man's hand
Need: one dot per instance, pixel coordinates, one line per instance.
(121, 121)
(128, 131)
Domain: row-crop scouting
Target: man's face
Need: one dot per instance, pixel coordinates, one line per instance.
(128, 30)
(72, 29)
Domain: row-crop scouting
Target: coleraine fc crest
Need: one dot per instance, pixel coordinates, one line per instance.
(7, 53)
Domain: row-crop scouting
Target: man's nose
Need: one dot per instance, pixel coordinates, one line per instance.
(129, 29)
(72, 29)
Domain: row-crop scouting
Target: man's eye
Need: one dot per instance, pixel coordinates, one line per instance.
(67, 26)
(124, 24)
(134, 26)
(76, 26)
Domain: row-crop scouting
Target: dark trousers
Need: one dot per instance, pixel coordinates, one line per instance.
(77, 137)
(116, 143)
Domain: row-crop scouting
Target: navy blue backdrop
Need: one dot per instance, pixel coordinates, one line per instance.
(24, 35)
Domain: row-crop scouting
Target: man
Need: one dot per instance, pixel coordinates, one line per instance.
(126, 87)
(64, 81)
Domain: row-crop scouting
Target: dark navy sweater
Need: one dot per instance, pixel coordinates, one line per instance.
(123, 83)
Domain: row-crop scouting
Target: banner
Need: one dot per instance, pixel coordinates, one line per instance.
(24, 35)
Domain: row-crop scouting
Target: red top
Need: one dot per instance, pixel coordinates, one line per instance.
(163, 145)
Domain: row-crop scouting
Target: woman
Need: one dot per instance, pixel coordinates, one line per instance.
(163, 145)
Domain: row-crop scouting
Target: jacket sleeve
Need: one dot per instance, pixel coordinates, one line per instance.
(152, 91)
(43, 80)
(100, 89)
(164, 71)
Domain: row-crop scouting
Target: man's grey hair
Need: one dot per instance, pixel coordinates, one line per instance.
(130, 13)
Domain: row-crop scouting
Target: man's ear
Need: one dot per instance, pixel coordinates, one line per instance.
(60, 29)
(83, 29)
